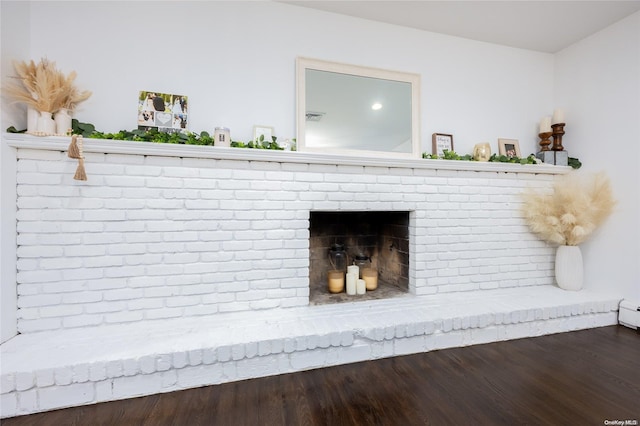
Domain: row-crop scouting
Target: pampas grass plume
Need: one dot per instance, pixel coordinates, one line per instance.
(43, 87)
(572, 212)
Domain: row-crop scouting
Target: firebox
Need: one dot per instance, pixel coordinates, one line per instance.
(380, 237)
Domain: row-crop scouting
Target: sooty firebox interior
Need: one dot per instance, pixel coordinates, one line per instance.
(381, 236)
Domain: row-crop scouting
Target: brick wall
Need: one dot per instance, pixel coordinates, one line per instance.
(150, 237)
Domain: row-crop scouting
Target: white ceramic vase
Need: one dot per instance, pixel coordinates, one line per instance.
(63, 121)
(32, 119)
(46, 124)
(569, 268)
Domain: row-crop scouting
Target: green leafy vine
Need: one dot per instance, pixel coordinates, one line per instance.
(495, 158)
(153, 135)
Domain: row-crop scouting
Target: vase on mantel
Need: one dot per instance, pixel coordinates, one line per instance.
(569, 268)
(46, 124)
(32, 119)
(63, 121)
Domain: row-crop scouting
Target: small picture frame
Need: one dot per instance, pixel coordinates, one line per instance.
(265, 131)
(509, 147)
(441, 142)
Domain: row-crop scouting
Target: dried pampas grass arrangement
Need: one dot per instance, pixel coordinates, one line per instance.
(568, 216)
(43, 87)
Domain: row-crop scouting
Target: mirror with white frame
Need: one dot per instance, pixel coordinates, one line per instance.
(354, 110)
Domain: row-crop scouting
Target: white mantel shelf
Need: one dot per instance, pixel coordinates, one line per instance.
(107, 146)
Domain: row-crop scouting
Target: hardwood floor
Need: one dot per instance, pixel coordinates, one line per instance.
(578, 378)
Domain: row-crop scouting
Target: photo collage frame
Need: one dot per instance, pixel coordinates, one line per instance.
(162, 111)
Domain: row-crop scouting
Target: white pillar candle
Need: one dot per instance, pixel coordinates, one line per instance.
(361, 287)
(351, 284)
(558, 116)
(545, 125)
(353, 269)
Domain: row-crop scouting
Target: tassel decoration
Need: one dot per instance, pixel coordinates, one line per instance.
(73, 151)
(81, 174)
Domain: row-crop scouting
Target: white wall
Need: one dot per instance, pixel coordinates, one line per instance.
(236, 62)
(598, 83)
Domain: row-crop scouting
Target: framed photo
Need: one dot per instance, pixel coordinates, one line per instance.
(265, 131)
(164, 112)
(441, 142)
(509, 147)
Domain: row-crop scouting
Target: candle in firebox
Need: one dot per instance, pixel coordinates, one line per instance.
(361, 287)
(335, 280)
(370, 277)
(351, 284)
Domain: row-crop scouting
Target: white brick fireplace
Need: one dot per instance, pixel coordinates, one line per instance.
(149, 237)
(203, 254)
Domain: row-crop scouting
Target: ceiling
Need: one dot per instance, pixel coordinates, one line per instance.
(545, 26)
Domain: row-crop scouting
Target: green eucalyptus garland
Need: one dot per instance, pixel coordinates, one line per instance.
(495, 158)
(153, 135)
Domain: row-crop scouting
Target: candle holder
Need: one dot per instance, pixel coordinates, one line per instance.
(558, 131)
(544, 141)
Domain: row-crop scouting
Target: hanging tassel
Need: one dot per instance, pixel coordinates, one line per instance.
(81, 174)
(73, 151)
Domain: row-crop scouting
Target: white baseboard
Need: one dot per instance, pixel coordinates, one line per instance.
(629, 314)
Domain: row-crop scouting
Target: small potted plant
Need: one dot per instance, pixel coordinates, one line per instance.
(567, 217)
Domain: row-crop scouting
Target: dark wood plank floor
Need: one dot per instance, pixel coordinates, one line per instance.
(579, 378)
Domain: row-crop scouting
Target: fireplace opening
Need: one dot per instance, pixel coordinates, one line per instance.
(381, 236)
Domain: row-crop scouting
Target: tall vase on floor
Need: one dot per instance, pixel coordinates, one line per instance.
(569, 268)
